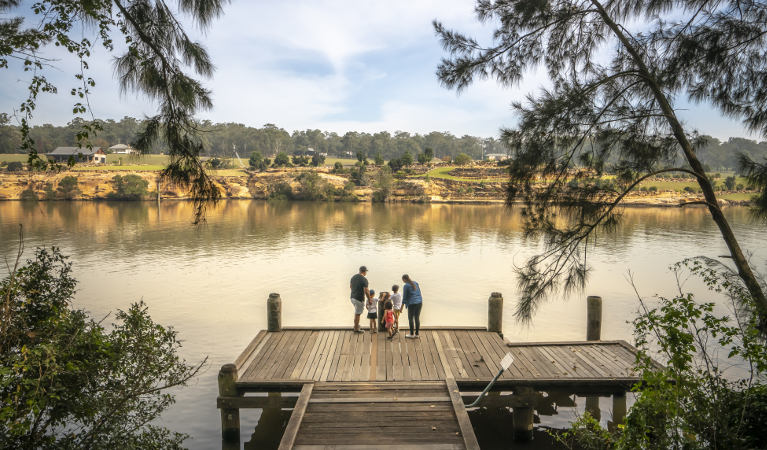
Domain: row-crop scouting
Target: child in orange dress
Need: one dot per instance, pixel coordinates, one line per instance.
(389, 319)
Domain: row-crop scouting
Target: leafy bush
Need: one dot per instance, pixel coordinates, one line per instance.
(281, 160)
(359, 175)
(50, 193)
(312, 186)
(395, 164)
(729, 183)
(68, 187)
(379, 161)
(300, 160)
(67, 381)
(129, 187)
(28, 194)
(383, 184)
(219, 163)
(280, 191)
(462, 159)
(653, 189)
(318, 160)
(338, 168)
(258, 162)
(14, 166)
(689, 402)
(689, 189)
(406, 159)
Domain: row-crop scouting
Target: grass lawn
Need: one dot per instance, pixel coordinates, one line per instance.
(443, 173)
(13, 157)
(345, 161)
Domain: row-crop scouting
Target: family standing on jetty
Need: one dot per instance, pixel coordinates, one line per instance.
(363, 298)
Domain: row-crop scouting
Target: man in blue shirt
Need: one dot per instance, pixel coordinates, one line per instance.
(360, 293)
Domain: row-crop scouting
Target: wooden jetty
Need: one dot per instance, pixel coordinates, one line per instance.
(349, 382)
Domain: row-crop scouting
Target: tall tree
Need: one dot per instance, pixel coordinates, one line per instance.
(158, 53)
(617, 68)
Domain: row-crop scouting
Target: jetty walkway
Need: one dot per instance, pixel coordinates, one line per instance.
(349, 381)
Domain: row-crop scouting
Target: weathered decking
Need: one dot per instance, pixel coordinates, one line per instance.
(341, 415)
(290, 358)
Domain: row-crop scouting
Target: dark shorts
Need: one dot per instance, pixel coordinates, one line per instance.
(372, 316)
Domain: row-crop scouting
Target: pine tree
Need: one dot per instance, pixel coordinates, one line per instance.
(617, 70)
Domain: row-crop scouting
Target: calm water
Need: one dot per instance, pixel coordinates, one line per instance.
(211, 282)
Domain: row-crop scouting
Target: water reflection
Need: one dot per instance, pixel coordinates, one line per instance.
(272, 423)
(211, 282)
(553, 411)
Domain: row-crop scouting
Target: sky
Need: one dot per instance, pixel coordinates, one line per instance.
(333, 65)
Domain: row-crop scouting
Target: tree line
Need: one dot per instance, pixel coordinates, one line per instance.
(231, 139)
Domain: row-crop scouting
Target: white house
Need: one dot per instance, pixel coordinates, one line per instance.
(123, 149)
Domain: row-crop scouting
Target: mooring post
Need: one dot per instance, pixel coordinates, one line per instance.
(592, 407)
(593, 318)
(274, 312)
(230, 417)
(619, 408)
(522, 415)
(495, 313)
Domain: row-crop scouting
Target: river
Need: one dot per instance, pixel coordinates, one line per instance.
(211, 282)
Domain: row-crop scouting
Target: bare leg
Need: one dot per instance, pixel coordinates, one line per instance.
(356, 322)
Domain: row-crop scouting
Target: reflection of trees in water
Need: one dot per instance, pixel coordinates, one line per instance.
(135, 226)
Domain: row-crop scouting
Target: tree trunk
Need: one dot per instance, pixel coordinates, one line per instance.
(744, 269)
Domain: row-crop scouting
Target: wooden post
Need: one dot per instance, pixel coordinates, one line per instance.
(619, 408)
(274, 312)
(230, 417)
(593, 318)
(158, 190)
(592, 407)
(495, 313)
(522, 414)
(522, 423)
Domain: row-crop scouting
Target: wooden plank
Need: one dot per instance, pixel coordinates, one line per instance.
(287, 355)
(388, 346)
(382, 398)
(616, 363)
(420, 446)
(293, 359)
(455, 354)
(343, 338)
(265, 361)
(477, 362)
(316, 357)
(435, 356)
(467, 432)
(250, 351)
(442, 356)
(566, 358)
(595, 370)
(291, 431)
(381, 355)
(561, 369)
(329, 356)
(373, 361)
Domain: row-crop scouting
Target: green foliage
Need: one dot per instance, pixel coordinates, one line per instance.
(383, 185)
(50, 193)
(258, 162)
(14, 166)
(611, 108)
(691, 401)
(280, 191)
(312, 187)
(462, 159)
(379, 160)
(28, 194)
(68, 187)
(67, 381)
(395, 165)
(218, 163)
(300, 160)
(281, 160)
(362, 157)
(585, 433)
(729, 183)
(318, 160)
(359, 175)
(338, 168)
(129, 187)
(406, 159)
(156, 57)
